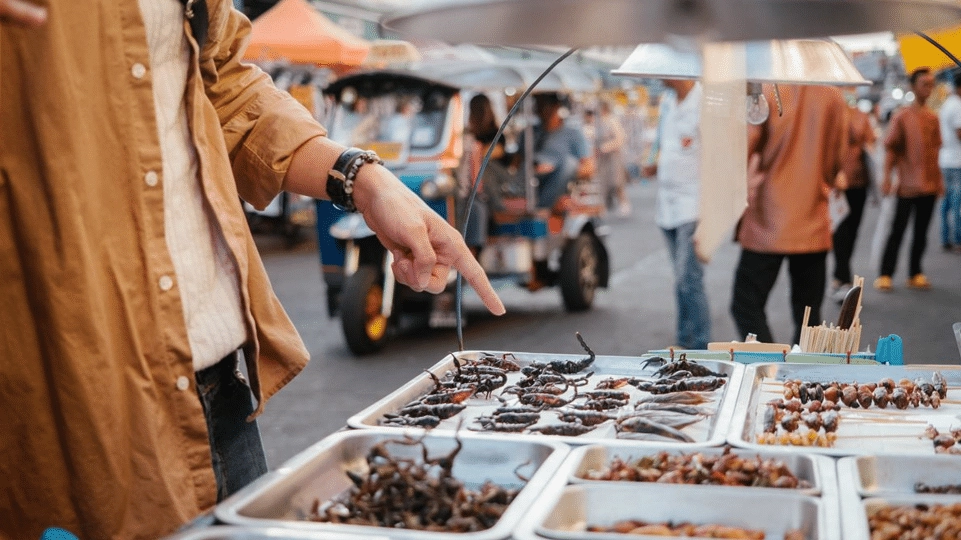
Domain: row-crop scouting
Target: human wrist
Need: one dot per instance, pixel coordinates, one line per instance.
(370, 182)
(342, 176)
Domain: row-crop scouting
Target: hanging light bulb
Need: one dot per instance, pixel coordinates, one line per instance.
(757, 107)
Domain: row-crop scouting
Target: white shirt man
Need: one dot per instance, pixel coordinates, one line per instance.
(678, 166)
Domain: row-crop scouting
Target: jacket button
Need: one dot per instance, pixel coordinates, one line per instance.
(138, 70)
(151, 178)
(166, 283)
(183, 383)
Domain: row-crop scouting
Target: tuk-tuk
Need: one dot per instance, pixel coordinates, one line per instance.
(415, 120)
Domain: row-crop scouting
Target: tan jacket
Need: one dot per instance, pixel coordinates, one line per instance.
(914, 137)
(800, 155)
(96, 437)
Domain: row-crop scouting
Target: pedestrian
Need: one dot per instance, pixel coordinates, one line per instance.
(611, 168)
(912, 143)
(796, 157)
(481, 127)
(129, 131)
(857, 171)
(561, 153)
(949, 159)
(677, 166)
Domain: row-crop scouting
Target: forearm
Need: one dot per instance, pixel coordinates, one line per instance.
(309, 165)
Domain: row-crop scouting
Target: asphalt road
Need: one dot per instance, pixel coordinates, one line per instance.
(634, 315)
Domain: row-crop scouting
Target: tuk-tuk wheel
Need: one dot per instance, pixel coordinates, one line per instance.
(365, 328)
(579, 273)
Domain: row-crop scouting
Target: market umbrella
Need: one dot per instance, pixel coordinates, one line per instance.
(918, 52)
(294, 31)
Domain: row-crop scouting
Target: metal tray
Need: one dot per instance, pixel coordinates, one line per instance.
(818, 470)
(888, 475)
(319, 473)
(257, 533)
(566, 515)
(861, 432)
(710, 432)
(856, 510)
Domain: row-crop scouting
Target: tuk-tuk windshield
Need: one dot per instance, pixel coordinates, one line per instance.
(393, 124)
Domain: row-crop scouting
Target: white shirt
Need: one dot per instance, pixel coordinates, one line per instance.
(206, 274)
(678, 166)
(949, 157)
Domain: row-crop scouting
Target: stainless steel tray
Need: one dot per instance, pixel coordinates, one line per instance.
(711, 432)
(860, 432)
(817, 470)
(286, 496)
(856, 510)
(258, 533)
(566, 514)
(888, 475)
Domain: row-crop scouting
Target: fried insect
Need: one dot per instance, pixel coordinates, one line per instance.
(427, 421)
(692, 368)
(542, 400)
(500, 362)
(600, 404)
(725, 469)
(569, 367)
(569, 429)
(612, 383)
(588, 418)
(420, 494)
(692, 384)
(442, 411)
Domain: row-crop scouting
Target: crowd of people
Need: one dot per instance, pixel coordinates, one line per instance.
(822, 149)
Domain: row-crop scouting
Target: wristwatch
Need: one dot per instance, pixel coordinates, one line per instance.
(340, 178)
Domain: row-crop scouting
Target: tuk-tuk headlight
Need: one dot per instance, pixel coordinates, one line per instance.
(437, 187)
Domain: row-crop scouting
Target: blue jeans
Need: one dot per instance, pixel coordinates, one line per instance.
(951, 208)
(693, 313)
(237, 453)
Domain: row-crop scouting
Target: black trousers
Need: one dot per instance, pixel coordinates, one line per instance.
(846, 234)
(922, 208)
(754, 279)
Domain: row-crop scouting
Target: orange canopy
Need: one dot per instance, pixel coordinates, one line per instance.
(292, 30)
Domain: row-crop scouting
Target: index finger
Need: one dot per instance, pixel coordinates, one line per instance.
(467, 265)
(22, 13)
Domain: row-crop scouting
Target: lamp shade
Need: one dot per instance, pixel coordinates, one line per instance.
(629, 22)
(793, 61)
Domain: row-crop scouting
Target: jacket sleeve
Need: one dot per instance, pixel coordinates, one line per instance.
(262, 125)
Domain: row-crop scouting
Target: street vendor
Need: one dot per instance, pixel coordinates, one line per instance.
(131, 286)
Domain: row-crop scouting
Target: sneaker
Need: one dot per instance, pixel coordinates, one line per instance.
(947, 247)
(883, 283)
(920, 282)
(840, 291)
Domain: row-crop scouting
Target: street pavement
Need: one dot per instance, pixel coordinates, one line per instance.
(634, 315)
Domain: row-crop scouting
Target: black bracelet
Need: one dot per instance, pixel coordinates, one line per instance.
(340, 178)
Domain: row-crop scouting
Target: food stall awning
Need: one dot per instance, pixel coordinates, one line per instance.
(294, 31)
(918, 52)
